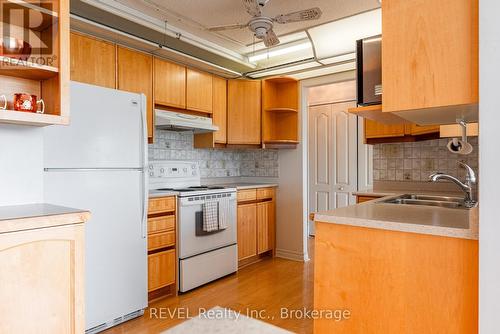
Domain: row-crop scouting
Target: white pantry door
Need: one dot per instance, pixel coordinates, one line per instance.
(332, 157)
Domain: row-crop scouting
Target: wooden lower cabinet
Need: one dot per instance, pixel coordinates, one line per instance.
(42, 280)
(161, 269)
(394, 282)
(256, 224)
(162, 257)
(265, 220)
(247, 230)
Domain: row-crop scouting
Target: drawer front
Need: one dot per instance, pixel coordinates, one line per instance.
(247, 195)
(161, 269)
(161, 224)
(162, 204)
(159, 240)
(361, 199)
(264, 193)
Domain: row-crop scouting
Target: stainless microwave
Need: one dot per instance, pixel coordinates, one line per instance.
(369, 70)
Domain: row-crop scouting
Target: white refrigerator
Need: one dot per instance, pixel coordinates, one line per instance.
(98, 163)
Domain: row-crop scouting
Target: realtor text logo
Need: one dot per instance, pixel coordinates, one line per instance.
(28, 30)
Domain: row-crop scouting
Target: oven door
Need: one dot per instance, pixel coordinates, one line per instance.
(192, 240)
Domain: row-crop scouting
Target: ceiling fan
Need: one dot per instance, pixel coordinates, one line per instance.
(262, 26)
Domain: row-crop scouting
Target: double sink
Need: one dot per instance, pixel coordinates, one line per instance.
(426, 200)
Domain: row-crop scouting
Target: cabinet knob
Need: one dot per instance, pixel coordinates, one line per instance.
(341, 188)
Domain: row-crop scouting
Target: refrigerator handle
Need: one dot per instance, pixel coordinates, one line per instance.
(145, 188)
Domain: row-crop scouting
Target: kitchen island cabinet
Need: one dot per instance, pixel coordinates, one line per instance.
(392, 280)
(42, 269)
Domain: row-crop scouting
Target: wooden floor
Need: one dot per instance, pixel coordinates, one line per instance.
(266, 286)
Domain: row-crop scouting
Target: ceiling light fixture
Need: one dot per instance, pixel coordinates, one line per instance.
(279, 51)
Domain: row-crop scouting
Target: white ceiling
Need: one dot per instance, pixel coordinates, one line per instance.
(194, 16)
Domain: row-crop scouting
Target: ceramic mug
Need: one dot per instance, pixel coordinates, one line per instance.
(28, 103)
(4, 107)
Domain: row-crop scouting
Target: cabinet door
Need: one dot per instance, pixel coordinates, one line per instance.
(42, 280)
(247, 230)
(265, 226)
(92, 61)
(425, 66)
(170, 84)
(161, 269)
(379, 130)
(422, 130)
(219, 109)
(244, 112)
(198, 91)
(135, 74)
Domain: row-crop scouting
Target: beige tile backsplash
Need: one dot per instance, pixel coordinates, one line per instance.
(416, 161)
(170, 145)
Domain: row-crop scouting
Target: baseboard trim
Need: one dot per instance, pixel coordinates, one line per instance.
(290, 255)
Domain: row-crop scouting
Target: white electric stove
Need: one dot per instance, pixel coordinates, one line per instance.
(202, 256)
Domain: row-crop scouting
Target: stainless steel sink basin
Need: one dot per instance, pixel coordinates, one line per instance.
(437, 201)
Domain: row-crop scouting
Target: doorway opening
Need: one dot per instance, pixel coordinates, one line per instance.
(338, 161)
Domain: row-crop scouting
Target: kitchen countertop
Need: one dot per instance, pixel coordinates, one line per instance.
(156, 193)
(40, 215)
(457, 223)
(245, 185)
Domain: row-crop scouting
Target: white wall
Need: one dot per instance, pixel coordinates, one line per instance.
(292, 206)
(21, 165)
(489, 167)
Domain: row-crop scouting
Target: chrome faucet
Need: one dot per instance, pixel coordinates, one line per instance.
(466, 186)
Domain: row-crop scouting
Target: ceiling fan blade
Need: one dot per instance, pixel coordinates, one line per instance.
(228, 27)
(270, 39)
(301, 15)
(252, 7)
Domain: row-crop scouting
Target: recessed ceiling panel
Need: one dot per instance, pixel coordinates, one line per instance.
(195, 16)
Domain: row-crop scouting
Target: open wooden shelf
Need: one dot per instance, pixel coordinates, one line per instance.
(280, 117)
(29, 118)
(48, 83)
(375, 113)
(26, 69)
(281, 110)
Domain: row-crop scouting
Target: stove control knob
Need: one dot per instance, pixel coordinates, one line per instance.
(151, 174)
(162, 170)
(151, 167)
(193, 166)
(185, 169)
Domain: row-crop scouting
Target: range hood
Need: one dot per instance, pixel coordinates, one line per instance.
(171, 120)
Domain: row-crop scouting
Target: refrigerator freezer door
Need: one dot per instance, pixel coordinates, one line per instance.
(115, 247)
(106, 131)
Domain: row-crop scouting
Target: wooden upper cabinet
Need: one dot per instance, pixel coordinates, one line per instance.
(429, 53)
(93, 61)
(422, 130)
(198, 91)
(135, 74)
(379, 130)
(244, 112)
(219, 109)
(170, 84)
